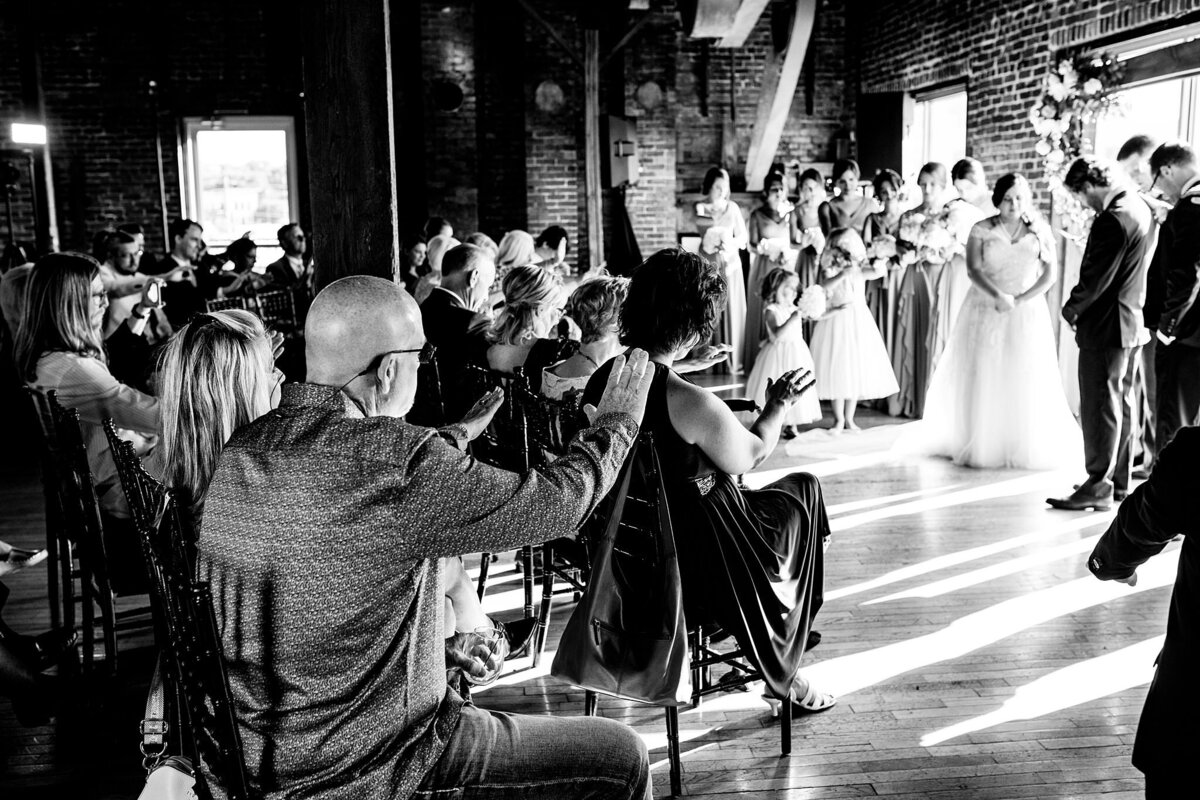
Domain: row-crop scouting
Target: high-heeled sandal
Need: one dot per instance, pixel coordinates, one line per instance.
(813, 702)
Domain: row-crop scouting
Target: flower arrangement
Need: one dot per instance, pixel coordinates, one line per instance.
(812, 302)
(883, 252)
(1078, 91)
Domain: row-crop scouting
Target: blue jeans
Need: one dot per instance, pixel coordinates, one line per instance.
(494, 755)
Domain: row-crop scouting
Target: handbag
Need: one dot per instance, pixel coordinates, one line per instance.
(628, 636)
(167, 777)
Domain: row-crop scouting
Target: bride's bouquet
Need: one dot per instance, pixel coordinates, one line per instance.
(812, 302)
(936, 243)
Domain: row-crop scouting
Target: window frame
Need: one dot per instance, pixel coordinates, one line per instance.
(189, 162)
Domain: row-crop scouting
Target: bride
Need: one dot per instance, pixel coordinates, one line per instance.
(996, 399)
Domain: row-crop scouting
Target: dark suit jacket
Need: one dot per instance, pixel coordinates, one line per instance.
(457, 333)
(1106, 305)
(1166, 505)
(1179, 243)
(283, 276)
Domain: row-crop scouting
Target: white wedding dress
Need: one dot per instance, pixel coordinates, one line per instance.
(996, 399)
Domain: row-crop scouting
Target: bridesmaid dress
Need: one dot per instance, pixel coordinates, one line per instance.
(763, 226)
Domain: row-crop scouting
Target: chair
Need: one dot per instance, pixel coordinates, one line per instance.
(278, 310)
(428, 408)
(639, 538)
(549, 426)
(226, 303)
(80, 537)
(191, 645)
(503, 444)
(61, 568)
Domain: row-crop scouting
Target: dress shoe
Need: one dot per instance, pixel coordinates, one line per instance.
(1083, 499)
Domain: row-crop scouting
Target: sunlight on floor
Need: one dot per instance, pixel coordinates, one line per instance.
(1079, 683)
(848, 674)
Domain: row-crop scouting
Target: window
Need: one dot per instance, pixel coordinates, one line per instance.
(938, 130)
(239, 175)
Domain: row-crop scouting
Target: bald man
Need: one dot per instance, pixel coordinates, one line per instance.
(325, 528)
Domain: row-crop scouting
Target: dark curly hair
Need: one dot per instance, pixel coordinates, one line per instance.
(673, 296)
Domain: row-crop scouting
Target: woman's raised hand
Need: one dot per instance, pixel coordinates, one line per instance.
(627, 389)
(788, 388)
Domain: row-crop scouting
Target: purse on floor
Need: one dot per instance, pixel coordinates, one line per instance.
(628, 636)
(167, 777)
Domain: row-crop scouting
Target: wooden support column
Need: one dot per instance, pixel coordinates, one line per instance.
(592, 145)
(350, 128)
(780, 77)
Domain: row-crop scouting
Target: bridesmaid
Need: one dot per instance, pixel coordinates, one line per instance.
(884, 223)
(807, 233)
(849, 208)
(958, 216)
(723, 243)
(910, 359)
(771, 233)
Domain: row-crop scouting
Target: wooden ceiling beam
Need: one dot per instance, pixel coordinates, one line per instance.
(747, 17)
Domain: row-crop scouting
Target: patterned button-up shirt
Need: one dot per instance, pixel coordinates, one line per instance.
(322, 537)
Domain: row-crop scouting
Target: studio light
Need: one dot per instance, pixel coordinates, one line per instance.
(28, 133)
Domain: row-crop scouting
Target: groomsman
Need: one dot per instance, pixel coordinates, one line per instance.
(1105, 309)
(1177, 361)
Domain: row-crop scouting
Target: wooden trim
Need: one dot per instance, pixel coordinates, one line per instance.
(780, 77)
(1171, 62)
(592, 144)
(747, 17)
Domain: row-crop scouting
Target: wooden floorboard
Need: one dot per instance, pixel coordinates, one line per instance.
(973, 654)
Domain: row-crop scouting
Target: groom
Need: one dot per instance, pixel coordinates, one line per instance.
(1105, 309)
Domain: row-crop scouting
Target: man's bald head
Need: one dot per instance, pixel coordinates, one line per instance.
(352, 321)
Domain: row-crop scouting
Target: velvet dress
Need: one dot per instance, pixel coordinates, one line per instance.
(750, 561)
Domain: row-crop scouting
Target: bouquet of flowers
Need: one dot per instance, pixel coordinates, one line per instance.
(936, 244)
(882, 252)
(717, 239)
(812, 302)
(779, 250)
(812, 237)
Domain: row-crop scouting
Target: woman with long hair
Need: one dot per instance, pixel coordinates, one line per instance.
(521, 334)
(722, 244)
(996, 399)
(59, 347)
(752, 561)
(772, 231)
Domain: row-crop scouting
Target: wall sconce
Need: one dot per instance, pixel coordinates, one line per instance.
(28, 133)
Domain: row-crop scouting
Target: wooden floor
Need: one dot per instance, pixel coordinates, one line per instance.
(974, 655)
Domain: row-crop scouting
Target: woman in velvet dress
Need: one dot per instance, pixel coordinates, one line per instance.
(751, 561)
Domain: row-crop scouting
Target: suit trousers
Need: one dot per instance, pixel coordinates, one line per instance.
(1146, 401)
(1178, 373)
(1106, 376)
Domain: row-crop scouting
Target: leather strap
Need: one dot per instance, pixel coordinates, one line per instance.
(154, 725)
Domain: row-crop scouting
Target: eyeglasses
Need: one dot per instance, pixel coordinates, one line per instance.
(424, 355)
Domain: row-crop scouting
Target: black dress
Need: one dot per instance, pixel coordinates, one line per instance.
(751, 561)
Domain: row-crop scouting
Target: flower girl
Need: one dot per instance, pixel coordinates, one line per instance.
(851, 362)
(785, 349)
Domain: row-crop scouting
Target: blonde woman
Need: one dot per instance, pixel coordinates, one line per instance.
(520, 335)
(59, 347)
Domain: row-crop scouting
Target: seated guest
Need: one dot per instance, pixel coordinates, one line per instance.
(532, 309)
(453, 322)
(12, 297)
(126, 290)
(290, 270)
(435, 251)
(413, 263)
(242, 280)
(753, 560)
(187, 285)
(551, 248)
(517, 249)
(485, 242)
(596, 308)
(119, 265)
(1150, 518)
(336, 674)
(59, 347)
(146, 260)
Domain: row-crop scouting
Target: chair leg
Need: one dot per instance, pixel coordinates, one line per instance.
(485, 563)
(673, 751)
(590, 701)
(89, 619)
(699, 674)
(785, 728)
(527, 578)
(52, 570)
(543, 627)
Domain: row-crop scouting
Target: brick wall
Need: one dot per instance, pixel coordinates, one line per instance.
(95, 67)
(1002, 50)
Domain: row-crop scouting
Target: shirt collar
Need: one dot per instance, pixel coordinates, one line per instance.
(1112, 195)
(180, 261)
(315, 395)
(295, 261)
(457, 301)
(1190, 184)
